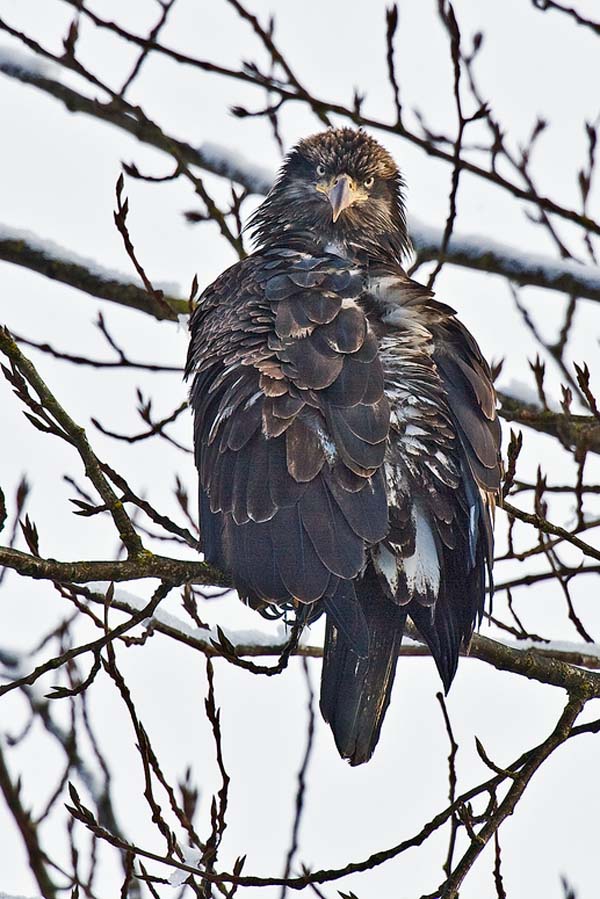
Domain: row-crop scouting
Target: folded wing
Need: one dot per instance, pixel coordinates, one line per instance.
(290, 426)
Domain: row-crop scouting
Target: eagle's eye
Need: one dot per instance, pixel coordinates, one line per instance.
(369, 182)
(320, 170)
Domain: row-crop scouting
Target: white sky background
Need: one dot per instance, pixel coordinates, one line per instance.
(57, 177)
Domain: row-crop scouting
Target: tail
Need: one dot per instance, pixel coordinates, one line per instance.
(355, 691)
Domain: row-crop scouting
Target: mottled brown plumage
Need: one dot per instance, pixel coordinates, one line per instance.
(345, 431)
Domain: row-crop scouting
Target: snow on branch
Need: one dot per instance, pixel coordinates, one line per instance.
(26, 67)
(520, 404)
(202, 637)
(233, 165)
(48, 258)
(257, 643)
(12, 896)
(523, 268)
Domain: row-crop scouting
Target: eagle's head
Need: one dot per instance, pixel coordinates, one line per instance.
(339, 187)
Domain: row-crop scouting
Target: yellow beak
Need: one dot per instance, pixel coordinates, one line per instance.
(341, 195)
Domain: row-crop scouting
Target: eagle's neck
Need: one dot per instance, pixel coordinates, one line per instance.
(316, 244)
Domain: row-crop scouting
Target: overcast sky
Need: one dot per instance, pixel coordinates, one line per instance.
(57, 178)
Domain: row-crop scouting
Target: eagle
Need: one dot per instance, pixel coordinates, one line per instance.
(345, 431)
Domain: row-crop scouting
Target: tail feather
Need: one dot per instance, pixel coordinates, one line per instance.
(345, 612)
(355, 691)
(448, 626)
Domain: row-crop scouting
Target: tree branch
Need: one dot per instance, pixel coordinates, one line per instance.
(22, 249)
(146, 565)
(37, 857)
(70, 431)
(290, 92)
(541, 664)
(474, 253)
(449, 889)
(576, 430)
(525, 269)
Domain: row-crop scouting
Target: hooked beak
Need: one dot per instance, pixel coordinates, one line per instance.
(341, 195)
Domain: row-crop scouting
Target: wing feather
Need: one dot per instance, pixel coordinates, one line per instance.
(442, 467)
(288, 450)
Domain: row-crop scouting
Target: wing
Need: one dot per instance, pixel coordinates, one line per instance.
(290, 428)
(442, 469)
(472, 399)
(467, 381)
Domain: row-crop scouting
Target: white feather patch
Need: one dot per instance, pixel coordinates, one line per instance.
(422, 569)
(387, 566)
(327, 444)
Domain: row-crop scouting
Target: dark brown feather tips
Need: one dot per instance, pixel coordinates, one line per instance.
(274, 343)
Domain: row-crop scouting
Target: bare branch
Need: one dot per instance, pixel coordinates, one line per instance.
(74, 435)
(61, 265)
(29, 832)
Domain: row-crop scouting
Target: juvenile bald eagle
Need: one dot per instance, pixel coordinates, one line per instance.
(345, 431)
